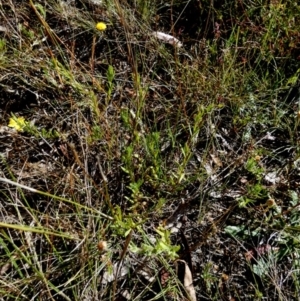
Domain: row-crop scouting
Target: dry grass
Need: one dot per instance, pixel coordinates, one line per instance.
(131, 142)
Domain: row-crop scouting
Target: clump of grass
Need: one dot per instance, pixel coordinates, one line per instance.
(130, 140)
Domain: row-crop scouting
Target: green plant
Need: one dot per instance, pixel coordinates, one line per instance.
(161, 247)
(110, 75)
(288, 236)
(208, 276)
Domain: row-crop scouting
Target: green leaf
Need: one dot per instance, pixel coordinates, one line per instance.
(235, 230)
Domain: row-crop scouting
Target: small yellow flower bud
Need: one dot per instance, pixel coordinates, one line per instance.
(257, 158)
(101, 26)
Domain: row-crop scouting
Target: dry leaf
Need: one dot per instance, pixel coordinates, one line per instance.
(188, 282)
(3, 29)
(167, 38)
(115, 274)
(216, 160)
(5, 268)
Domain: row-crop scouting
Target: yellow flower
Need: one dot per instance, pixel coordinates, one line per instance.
(17, 123)
(101, 26)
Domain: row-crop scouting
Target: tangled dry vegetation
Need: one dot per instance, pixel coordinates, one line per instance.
(135, 168)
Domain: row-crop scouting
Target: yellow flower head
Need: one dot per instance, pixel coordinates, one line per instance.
(17, 123)
(101, 26)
